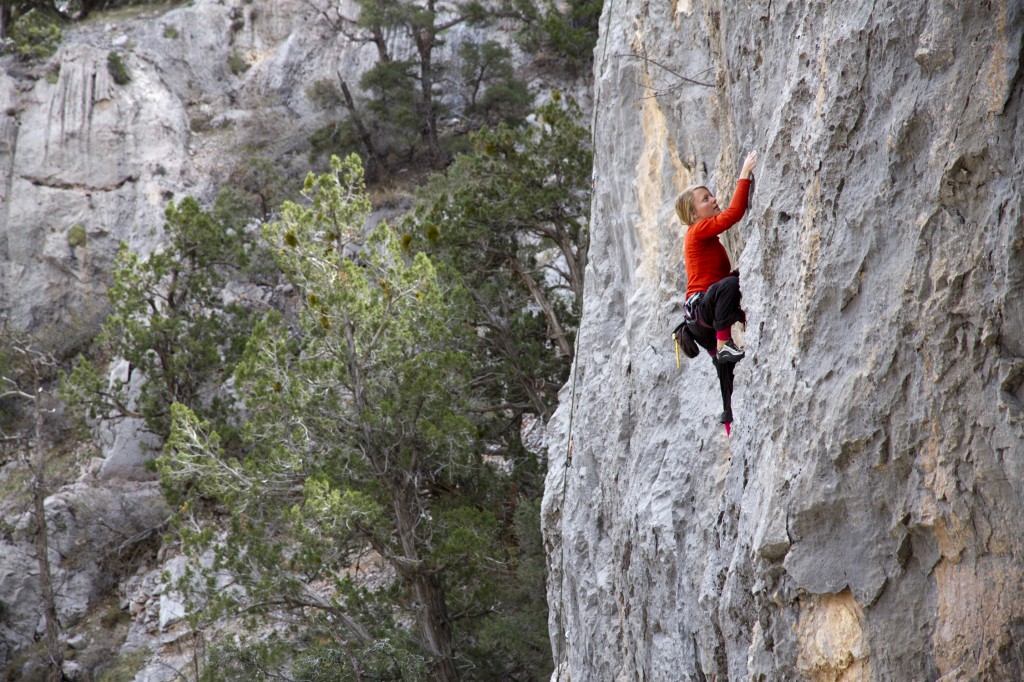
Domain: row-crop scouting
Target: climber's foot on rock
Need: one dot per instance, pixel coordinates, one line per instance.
(730, 353)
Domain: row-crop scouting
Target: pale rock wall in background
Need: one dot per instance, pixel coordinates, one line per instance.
(863, 522)
(214, 83)
(81, 154)
(76, 149)
(92, 529)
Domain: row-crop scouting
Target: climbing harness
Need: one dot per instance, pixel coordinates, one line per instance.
(681, 335)
(691, 305)
(684, 338)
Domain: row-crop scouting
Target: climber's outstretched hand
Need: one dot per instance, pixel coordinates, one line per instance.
(748, 165)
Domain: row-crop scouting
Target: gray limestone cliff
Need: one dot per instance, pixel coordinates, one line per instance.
(864, 520)
(86, 162)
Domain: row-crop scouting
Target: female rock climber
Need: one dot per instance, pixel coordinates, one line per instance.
(712, 287)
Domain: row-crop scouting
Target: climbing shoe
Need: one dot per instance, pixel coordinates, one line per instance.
(730, 353)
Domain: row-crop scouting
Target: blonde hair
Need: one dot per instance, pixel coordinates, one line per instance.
(685, 209)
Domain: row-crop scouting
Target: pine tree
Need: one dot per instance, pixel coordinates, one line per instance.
(170, 322)
(360, 449)
(512, 217)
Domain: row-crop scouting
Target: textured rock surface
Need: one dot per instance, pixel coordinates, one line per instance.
(864, 520)
(214, 82)
(91, 532)
(76, 149)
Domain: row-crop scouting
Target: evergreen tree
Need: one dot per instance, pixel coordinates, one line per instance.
(169, 320)
(492, 92)
(361, 449)
(512, 217)
(405, 108)
(568, 28)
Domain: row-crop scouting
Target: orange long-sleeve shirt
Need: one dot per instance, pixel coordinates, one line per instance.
(704, 256)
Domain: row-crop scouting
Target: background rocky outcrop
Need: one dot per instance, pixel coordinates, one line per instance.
(863, 522)
(85, 163)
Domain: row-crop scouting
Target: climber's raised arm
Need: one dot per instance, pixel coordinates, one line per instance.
(698, 208)
(748, 165)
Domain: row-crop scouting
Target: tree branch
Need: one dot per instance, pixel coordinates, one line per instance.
(685, 79)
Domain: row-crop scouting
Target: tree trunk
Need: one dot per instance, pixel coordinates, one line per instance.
(573, 254)
(434, 626)
(5, 20)
(54, 652)
(357, 121)
(432, 621)
(425, 40)
(555, 330)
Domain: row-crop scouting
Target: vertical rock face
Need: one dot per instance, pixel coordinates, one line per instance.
(863, 522)
(86, 162)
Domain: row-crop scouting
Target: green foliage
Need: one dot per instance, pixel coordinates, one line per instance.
(574, 32)
(569, 29)
(113, 616)
(170, 323)
(237, 63)
(338, 137)
(10, 406)
(394, 107)
(117, 69)
(171, 32)
(494, 94)
(254, 192)
(401, 119)
(325, 95)
(27, 665)
(521, 634)
(361, 446)
(125, 667)
(313, 662)
(35, 35)
(512, 217)
(77, 236)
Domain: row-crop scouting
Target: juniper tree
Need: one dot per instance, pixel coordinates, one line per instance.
(406, 102)
(511, 216)
(360, 448)
(568, 28)
(170, 321)
(492, 92)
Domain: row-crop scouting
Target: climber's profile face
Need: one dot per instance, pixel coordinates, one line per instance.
(705, 205)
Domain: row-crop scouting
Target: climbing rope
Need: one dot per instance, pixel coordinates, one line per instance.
(563, 636)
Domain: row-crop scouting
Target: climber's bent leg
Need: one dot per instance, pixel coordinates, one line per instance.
(721, 305)
(704, 336)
